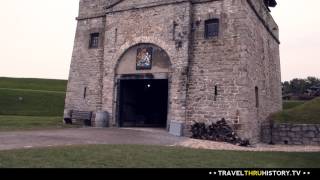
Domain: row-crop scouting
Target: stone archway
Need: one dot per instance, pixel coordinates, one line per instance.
(142, 76)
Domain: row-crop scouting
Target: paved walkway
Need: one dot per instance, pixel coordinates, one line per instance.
(67, 137)
(63, 137)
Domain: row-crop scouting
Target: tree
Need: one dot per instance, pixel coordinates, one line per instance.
(299, 87)
(313, 81)
(286, 89)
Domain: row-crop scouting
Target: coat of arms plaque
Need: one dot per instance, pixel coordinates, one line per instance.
(144, 58)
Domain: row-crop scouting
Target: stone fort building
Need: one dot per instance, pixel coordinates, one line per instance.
(169, 63)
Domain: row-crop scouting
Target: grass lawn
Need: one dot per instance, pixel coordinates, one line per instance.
(307, 113)
(292, 104)
(138, 156)
(12, 123)
(34, 84)
(31, 102)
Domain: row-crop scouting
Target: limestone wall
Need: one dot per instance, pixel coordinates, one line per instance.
(165, 26)
(215, 64)
(260, 51)
(85, 77)
(92, 8)
(293, 134)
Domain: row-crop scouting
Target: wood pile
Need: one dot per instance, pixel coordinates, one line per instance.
(219, 131)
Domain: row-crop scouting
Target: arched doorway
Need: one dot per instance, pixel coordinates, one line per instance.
(142, 75)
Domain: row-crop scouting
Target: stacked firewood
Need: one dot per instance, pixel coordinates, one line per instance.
(219, 131)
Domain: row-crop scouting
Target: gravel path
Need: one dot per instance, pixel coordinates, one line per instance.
(200, 144)
(67, 137)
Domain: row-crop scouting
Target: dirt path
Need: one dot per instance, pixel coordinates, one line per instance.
(67, 137)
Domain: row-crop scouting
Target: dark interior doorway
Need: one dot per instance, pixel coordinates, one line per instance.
(143, 103)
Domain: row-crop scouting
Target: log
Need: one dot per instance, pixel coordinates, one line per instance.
(220, 132)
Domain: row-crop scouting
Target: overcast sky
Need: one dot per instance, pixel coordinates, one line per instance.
(37, 37)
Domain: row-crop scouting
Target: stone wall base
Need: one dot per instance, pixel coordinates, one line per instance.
(292, 134)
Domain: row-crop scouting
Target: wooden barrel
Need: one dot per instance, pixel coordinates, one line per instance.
(67, 116)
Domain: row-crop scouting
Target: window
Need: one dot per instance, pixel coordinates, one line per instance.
(215, 93)
(257, 96)
(85, 93)
(211, 28)
(94, 40)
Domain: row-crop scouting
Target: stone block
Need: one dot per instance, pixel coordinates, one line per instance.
(283, 134)
(310, 134)
(292, 134)
(102, 119)
(297, 143)
(176, 128)
(309, 128)
(285, 128)
(276, 138)
(296, 128)
(282, 126)
(276, 126)
(275, 133)
(307, 141)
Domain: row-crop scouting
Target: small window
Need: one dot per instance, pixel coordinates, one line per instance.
(257, 96)
(215, 92)
(94, 40)
(85, 93)
(211, 28)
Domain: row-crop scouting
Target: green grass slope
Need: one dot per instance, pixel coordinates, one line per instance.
(307, 113)
(16, 123)
(138, 156)
(292, 104)
(32, 97)
(31, 103)
(33, 84)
